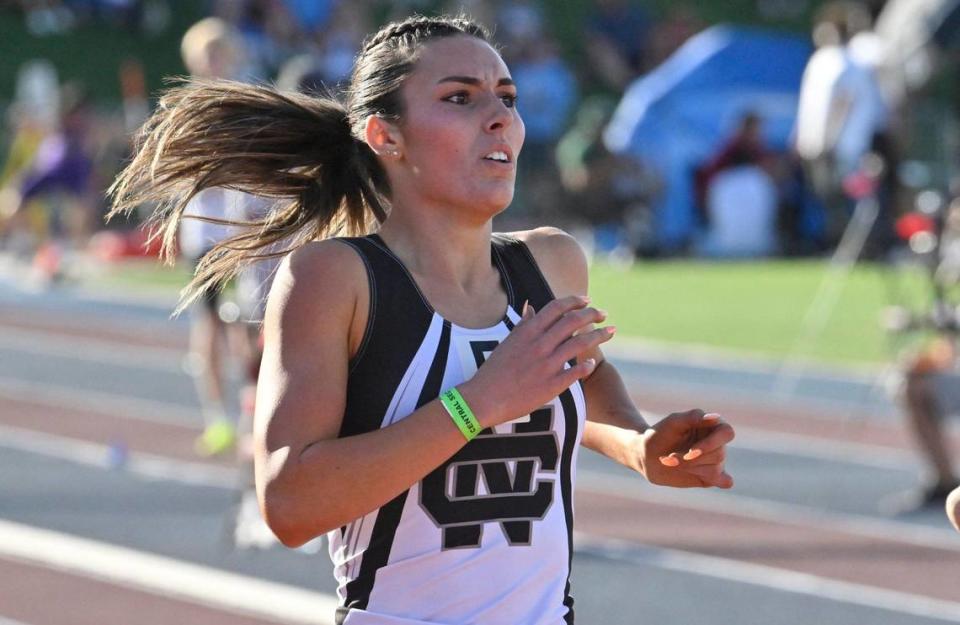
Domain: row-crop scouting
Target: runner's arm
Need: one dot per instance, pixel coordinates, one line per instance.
(685, 449)
(613, 421)
(309, 479)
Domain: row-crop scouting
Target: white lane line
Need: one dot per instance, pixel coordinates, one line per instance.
(6, 621)
(817, 447)
(642, 350)
(822, 448)
(771, 577)
(164, 576)
(774, 511)
(76, 398)
(112, 352)
(148, 466)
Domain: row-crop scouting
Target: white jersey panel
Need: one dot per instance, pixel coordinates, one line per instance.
(531, 564)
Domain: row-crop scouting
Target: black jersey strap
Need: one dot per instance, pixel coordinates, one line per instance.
(397, 322)
(525, 275)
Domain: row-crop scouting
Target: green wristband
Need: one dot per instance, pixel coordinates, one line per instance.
(460, 412)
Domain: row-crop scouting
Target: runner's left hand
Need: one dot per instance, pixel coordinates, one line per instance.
(685, 450)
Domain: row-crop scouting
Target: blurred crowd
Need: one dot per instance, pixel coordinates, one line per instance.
(741, 188)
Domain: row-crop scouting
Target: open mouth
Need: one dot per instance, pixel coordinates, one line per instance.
(498, 157)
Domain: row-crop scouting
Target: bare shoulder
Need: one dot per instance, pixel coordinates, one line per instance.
(326, 267)
(319, 287)
(560, 258)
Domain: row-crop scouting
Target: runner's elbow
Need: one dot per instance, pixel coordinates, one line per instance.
(297, 512)
(287, 522)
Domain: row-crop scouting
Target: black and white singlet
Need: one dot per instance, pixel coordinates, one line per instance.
(486, 538)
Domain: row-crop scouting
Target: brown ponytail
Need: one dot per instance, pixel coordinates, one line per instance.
(289, 146)
(304, 151)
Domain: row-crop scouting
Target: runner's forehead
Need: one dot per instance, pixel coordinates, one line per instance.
(460, 56)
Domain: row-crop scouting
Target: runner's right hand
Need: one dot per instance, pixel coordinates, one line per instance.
(527, 370)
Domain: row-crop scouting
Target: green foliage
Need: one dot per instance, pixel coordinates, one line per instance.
(93, 53)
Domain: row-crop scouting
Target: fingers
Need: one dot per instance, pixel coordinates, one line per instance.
(577, 372)
(573, 322)
(560, 340)
(706, 473)
(553, 311)
(713, 438)
(581, 343)
(527, 312)
(703, 462)
(717, 456)
(712, 476)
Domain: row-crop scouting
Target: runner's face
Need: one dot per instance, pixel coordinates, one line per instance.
(461, 129)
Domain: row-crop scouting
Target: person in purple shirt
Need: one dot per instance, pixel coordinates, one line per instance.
(61, 169)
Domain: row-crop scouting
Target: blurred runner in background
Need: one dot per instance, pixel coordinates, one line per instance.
(931, 392)
(211, 49)
(58, 173)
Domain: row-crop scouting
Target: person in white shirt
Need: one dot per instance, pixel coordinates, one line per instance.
(842, 115)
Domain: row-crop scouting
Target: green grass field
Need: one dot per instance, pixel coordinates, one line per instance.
(755, 307)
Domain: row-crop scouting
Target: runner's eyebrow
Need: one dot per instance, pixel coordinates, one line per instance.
(470, 80)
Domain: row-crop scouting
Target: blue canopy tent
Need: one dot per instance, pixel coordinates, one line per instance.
(679, 114)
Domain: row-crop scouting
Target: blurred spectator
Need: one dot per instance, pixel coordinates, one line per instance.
(312, 16)
(52, 17)
(738, 196)
(609, 192)
(341, 42)
(547, 93)
(842, 114)
(267, 33)
(745, 147)
(46, 17)
(801, 222)
(211, 48)
(59, 173)
(520, 21)
(327, 60)
(616, 42)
